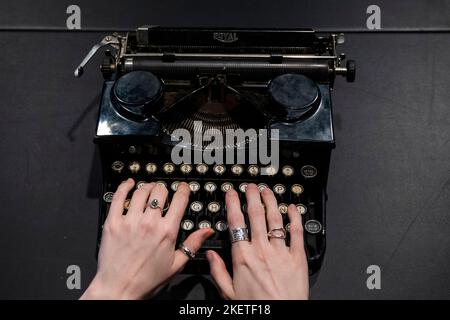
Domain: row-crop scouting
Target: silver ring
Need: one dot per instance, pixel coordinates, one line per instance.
(188, 252)
(275, 233)
(154, 204)
(239, 234)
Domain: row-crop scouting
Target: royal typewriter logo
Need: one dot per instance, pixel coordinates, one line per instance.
(236, 147)
(226, 37)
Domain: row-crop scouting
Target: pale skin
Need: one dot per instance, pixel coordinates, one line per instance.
(138, 257)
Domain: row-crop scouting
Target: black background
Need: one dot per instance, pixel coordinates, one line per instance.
(389, 182)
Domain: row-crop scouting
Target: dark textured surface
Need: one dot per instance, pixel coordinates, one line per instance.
(389, 184)
(324, 14)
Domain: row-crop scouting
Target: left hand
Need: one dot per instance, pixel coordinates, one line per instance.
(137, 256)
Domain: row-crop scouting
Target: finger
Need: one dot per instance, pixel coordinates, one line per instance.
(220, 275)
(235, 217)
(178, 204)
(296, 231)
(159, 193)
(274, 218)
(193, 242)
(256, 214)
(116, 208)
(234, 214)
(139, 199)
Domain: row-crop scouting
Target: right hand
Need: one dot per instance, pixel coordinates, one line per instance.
(263, 268)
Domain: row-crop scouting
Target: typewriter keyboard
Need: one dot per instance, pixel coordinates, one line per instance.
(294, 184)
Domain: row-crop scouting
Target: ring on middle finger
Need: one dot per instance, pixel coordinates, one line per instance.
(239, 234)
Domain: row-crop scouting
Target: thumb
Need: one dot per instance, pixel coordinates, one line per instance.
(193, 242)
(220, 274)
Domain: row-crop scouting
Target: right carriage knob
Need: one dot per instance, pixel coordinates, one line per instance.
(351, 70)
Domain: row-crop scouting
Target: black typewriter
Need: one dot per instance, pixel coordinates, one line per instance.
(210, 81)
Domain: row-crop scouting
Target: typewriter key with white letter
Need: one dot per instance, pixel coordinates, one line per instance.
(117, 166)
(301, 208)
(196, 206)
(204, 224)
(309, 171)
(168, 168)
(186, 168)
(237, 169)
(219, 169)
(313, 226)
(108, 196)
(134, 167)
(151, 168)
(253, 170)
(210, 187)
(213, 207)
(187, 225)
(221, 226)
(279, 189)
(226, 186)
(287, 171)
(194, 186)
(297, 189)
(202, 168)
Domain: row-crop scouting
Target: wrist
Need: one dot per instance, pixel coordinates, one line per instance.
(97, 290)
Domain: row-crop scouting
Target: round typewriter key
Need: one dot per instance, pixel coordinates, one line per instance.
(174, 186)
(108, 196)
(117, 166)
(226, 186)
(161, 183)
(134, 167)
(237, 169)
(243, 187)
(213, 207)
(204, 224)
(132, 150)
(126, 204)
(210, 187)
(288, 227)
(301, 208)
(140, 184)
(262, 186)
(253, 170)
(202, 168)
(221, 226)
(168, 168)
(187, 225)
(219, 169)
(151, 168)
(244, 208)
(279, 189)
(287, 171)
(309, 171)
(270, 170)
(196, 206)
(297, 189)
(186, 168)
(194, 186)
(313, 226)
(283, 208)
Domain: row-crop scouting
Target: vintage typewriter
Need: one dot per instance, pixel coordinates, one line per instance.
(160, 79)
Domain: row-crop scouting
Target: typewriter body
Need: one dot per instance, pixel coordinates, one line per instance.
(159, 79)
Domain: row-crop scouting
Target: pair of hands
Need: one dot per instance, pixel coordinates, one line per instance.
(137, 255)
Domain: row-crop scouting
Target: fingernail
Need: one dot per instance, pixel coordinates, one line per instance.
(209, 255)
